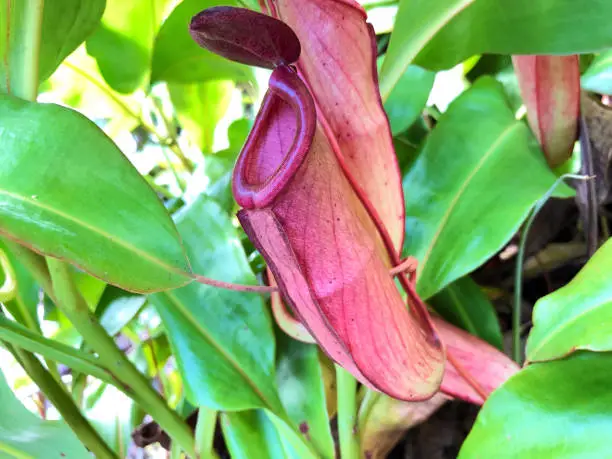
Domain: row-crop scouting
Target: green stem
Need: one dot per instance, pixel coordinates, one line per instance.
(205, 432)
(347, 414)
(64, 404)
(35, 264)
(20, 336)
(134, 382)
(518, 273)
(8, 289)
(28, 87)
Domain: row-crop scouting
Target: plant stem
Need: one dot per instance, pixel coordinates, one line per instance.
(28, 87)
(205, 432)
(35, 264)
(22, 337)
(135, 383)
(347, 414)
(8, 289)
(63, 403)
(518, 272)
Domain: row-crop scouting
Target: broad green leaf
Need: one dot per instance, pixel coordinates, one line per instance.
(117, 308)
(65, 24)
(199, 107)
(472, 185)
(223, 340)
(300, 383)
(178, 58)
(68, 192)
(123, 42)
(598, 77)
(452, 30)
(408, 98)
(463, 304)
(577, 316)
(111, 415)
(25, 436)
(548, 410)
(249, 433)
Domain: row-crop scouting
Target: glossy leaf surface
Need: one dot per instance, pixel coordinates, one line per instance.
(199, 107)
(177, 58)
(463, 304)
(501, 169)
(408, 98)
(68, 192)
(223, 340)
(554, 409)
(578, 315)
(247, 432)
(524, 27)
(24, 436)
(123, 42)
(65, 24)
(300, 383)
(598, 77)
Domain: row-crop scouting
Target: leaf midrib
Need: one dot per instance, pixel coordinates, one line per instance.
(214, 343)
(461, 191)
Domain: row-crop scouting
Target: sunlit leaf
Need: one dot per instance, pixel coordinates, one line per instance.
(520, 27)
(177, 58)
(467, 194)
(577, 316)
(223, 340)
(554, 409)
(25, 436)
(68, 192)
(123, 42)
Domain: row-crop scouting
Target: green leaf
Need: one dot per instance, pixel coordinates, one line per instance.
(463, 304)
(68, 192)
(598, 77)
(548, 410)
(301, 389)
(450, 31)
(117, 308)
(111, 415)
(24, 306)
(577, 316)
(66, 23)
(223, 340)
(199, 107)
(408, 98)
(178, 58)
(22, 337)
(123, 42)
(25, 436)
(213, 176)
(472, 185)
(247, 432)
